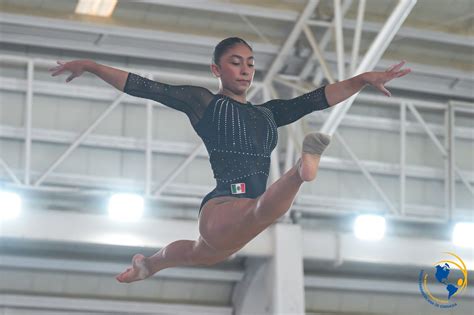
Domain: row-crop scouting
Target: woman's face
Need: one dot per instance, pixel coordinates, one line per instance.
(236, 68)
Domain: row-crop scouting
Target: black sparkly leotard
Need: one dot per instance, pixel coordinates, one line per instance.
(238, 137)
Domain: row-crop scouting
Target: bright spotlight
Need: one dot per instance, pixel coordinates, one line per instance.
(10, 205)
(103, 8)
(463, 234)
(369, 227)
(126, 207)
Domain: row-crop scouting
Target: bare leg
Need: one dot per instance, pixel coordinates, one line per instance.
(235, 228)
(278, 198)
(235, 223)
(178, 253)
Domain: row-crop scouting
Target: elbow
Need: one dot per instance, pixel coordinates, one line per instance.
(330, 95)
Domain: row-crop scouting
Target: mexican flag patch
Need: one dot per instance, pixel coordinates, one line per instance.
(237, 188)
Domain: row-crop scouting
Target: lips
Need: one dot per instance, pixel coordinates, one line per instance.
(247, 81)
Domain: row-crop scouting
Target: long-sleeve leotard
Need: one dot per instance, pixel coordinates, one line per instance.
(238, 137)
(191, 100)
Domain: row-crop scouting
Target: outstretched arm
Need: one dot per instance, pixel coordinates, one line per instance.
(191, 100)
(113, 76)
(340, 91)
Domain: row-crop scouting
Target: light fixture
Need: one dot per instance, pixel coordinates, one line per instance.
(369, 227)
(10, 205)
(463, 234)
(103, 8)
(126, 207)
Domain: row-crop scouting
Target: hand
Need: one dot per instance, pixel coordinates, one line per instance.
(378, 79)
(76, 67)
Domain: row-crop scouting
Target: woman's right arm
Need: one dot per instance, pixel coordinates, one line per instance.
(115, 77)
(191, 100)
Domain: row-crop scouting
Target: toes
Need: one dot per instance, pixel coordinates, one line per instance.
(122, 275)
(138, 270)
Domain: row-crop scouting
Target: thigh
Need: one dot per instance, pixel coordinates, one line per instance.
(227, 223)
(204, 254)
(221, 213)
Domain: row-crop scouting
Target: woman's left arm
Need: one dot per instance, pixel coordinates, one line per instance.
(340, 91)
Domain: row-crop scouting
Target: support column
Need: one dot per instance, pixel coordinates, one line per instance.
(286, 270)
(274, 285)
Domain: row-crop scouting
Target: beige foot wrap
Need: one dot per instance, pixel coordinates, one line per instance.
(316, 143)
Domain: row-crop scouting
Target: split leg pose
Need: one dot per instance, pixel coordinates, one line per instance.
(239, 137)
(234, 221)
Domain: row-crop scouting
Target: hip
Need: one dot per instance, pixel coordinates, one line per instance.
(224, 192)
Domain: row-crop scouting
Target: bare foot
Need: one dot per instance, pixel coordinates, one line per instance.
(138, 271)
(314, 145)
(308, 166)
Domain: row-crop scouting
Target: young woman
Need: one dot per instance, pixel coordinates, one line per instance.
(239, 138)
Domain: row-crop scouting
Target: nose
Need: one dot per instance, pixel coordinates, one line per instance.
(245, 70)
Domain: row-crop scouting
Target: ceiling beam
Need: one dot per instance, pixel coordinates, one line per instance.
(120, 31)
(406, 32)
(113, 268)
(185, 148)
(289, 43)
(371, 58)
(228, 8)
(109, 306)
(292, 15)
(152, 233)
(358, 284)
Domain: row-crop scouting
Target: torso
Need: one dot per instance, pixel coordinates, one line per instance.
(239, 139)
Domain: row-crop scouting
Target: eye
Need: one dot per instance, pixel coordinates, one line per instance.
(235, 63)
(251, 66)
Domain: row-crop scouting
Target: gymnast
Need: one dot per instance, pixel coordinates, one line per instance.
(239, 137)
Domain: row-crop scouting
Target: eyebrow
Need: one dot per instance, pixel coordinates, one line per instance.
(240, 57)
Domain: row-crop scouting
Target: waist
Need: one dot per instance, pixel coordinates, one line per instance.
(229, 167)
(250, 186)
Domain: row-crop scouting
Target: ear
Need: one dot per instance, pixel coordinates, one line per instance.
(215, 70)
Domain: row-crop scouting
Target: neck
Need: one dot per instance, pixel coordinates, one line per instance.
(238, 97)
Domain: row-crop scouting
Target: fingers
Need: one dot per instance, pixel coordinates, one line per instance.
(391, 73)
(390, 68)
(57, 72)
(384, 90)
(396, 67)
(403, 72)
(72, 76)
(399, 66)
(398, 74)
(56, 68)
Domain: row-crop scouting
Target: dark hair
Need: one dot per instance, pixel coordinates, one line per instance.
(224, 45)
